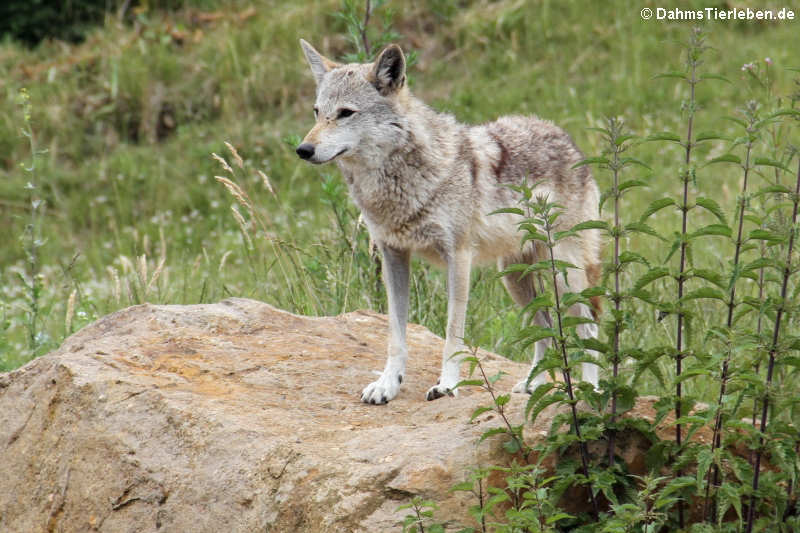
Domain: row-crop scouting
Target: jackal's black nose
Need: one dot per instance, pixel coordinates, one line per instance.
(305, 150)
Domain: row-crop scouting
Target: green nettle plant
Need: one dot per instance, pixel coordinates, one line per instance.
(420, 517)
(729, 465)
(32, 237)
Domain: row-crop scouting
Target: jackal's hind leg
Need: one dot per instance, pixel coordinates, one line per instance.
(522, 290)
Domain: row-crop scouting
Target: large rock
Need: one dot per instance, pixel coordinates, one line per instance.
(233, 417)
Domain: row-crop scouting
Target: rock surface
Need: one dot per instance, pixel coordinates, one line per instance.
(233, 417)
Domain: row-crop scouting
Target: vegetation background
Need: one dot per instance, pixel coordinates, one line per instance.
(147, 155)
(124, 120)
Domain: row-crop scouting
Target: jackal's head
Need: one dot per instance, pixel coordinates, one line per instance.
(356, 107)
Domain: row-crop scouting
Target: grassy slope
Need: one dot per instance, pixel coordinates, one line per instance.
(114, 191)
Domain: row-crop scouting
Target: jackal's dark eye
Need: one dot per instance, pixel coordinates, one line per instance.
(316, 112)
(344, 113)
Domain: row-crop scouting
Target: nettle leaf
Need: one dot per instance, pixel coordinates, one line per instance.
(774, 189)
(785, 112)
(492, 432)
(727, 158)
(641, 227)
(712, 229)
(511, 446)
(704, 459)
(713, 77)
(542, 301)
(594, 344)
(671, 74)
(664, 136)
(675, 485)
(731, 496)
(540, 392)
(710, 136)
(496, 377)
(478, 412)
(629, 184)
(572, 321)
(625, 161)
(516, 267)
(689, 373)
(552, 519)
(689, 420)
(569, 298)
(590, 224)
(591, 161)
(534, 237)
(469, 383)
(563, 265)
(705, 292)
(754, 219)
(622, 138)
(762, 262)
(508, 210)
(632, 257)
(656, 206)
(771, 118)
(545, 401)
(764, 161)
(560, 235)
(650, 276)
(534, 333)
(713, 206)
(464, 486)
(764, 235)
(593, 291)
(736, 120)
(626, 398)
(710, 275)
(605, 195)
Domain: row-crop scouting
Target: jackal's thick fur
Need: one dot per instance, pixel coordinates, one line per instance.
(426, 185)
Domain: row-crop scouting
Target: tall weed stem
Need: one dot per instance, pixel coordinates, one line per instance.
(787, 272)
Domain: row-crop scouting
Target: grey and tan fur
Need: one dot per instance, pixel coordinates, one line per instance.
(426, 185)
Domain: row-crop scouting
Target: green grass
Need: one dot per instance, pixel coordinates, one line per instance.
(126, 123)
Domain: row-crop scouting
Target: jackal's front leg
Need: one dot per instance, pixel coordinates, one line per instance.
(395, 278)
(459, 265)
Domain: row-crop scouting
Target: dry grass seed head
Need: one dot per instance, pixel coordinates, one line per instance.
(70, 311)
(157, 273)
(142, 271)
(223, 260)
(242, 225)
(222, 162)
(236, 157)
(236, 192)
(267, 183)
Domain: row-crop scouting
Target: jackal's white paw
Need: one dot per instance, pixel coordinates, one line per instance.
(535, 382)
(440, 389)
(382, 390)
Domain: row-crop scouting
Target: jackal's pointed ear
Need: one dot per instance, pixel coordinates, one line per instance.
(319, 63)
(389, 72)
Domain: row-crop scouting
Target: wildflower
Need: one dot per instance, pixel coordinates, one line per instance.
(748, 66)
(768, 61)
